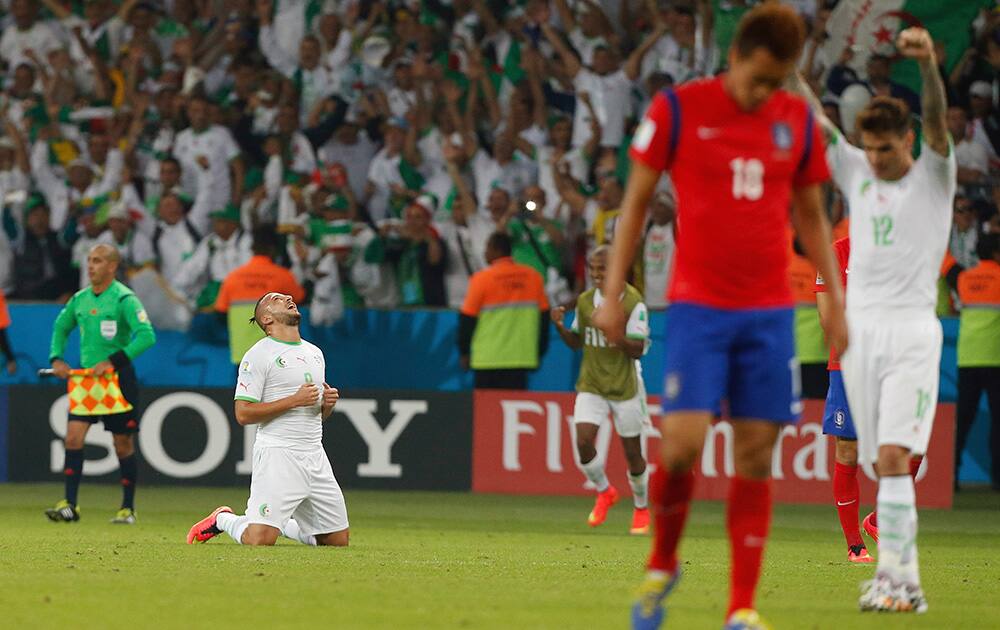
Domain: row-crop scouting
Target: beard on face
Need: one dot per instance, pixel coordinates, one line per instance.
(288, 319)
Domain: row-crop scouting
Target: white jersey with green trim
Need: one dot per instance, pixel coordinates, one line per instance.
(272, 370)
(899, 229)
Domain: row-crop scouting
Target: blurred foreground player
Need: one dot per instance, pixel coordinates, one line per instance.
(281, 389)
(114, 330)
(740, 151)
(610, 383)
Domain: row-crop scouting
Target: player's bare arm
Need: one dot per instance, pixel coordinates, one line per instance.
(813, 230)
(609, 317)
(634, 348)
(798, 85)
(256, 412)
(330, 397)
(916, 44)
(570, 338)
(823, 308)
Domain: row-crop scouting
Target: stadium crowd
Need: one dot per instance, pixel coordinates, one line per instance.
(384, 141)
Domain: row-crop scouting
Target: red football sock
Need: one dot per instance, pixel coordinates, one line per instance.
(748, 519)
(669, 500)
(846, 494)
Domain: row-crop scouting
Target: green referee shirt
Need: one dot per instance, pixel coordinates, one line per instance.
(111, 322)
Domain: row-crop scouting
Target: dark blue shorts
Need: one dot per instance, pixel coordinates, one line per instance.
(836, 414)
(745, 356)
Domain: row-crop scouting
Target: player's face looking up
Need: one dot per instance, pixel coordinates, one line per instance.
(889, 154)
(752, 79)
(277, 308)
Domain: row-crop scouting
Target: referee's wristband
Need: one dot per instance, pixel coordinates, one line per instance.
(119, 359)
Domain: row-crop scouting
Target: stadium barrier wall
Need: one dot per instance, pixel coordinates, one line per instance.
(523, 443)
(489, 441)
(392, 350)
(376, 439)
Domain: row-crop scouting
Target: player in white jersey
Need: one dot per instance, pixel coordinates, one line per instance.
(900, 218)
(292, 488)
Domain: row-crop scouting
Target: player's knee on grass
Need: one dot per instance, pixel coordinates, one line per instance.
(260, 535)
(334, 539)
(847, 452)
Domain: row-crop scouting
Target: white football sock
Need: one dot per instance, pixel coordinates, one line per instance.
(232, 525)
(293, 531)
(897, 529)
(639, 484)
(594, 469)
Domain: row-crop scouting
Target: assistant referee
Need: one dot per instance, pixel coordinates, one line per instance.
(114, 329)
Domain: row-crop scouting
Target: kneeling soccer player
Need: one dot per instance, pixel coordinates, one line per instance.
(292, 489)
(610, 382)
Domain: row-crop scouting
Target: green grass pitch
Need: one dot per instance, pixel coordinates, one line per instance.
(437, 560)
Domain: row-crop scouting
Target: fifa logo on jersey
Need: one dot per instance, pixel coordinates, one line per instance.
(594, 337)
(781, 134)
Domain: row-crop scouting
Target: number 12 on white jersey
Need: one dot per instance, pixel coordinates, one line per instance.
(748, 178)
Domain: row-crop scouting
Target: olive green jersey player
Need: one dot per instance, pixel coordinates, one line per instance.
(610, 384)
(114, 329)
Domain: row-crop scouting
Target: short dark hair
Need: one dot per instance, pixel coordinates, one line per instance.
(988, 246)
(253, 318)
(265, 240)
(776, 28)
(501, 243)
(885, 114)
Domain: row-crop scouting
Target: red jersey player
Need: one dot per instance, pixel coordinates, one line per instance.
(740, 151)
(838, 423)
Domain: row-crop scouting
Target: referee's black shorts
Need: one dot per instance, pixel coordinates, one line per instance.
(125, 423)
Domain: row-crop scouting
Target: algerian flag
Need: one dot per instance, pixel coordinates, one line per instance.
(871, 26)
(510, 66)
(328, 235)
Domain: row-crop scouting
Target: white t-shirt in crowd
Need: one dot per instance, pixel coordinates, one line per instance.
(969, 154)
(609, 95)
(577, 162)
(219, 148)
(355, 158)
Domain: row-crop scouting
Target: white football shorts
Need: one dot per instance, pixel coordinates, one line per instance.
(295, 484)
(631, 417)
(891, 371)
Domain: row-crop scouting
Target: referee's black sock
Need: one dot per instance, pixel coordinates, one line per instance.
(73, 470)
(128, 470)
